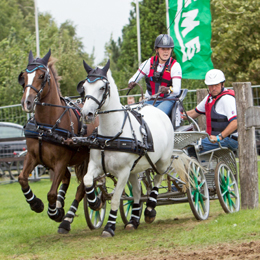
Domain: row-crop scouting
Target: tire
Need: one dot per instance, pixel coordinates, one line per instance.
(198, 194)
(127, 205)
(227, 188)
(94, 219)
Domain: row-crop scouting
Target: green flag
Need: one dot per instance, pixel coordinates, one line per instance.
(190, 28)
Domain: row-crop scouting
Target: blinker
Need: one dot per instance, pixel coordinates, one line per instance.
(21, 79)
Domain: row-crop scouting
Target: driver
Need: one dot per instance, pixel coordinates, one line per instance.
(162, 74)
(219, 106)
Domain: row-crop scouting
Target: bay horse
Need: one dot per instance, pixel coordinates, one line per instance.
(117, 123)
(54, 120)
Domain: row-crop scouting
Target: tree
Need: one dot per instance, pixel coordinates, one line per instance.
(235, 39)
(17, 38)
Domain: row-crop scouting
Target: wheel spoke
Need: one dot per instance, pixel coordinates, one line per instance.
(91, 213)
(202, 183)
(233, 194)
(224, 193)
(128, 208)
(227, 188)
(202, 202)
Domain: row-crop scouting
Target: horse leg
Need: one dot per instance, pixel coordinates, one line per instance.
(61, 196)
(64, 226)
(150, 212)
(55, 212)
(94, 202)
(109, 230)
(136, 189)
(29, 164)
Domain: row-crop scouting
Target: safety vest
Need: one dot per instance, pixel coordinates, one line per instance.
(153, 82)
(216, 122)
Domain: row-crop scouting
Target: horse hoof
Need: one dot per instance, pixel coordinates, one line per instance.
(129, 227)
(106, 234)
(132, 224)
(109, 230)
(37, 205)
(63, 231)
(64, 227)
(149, 215)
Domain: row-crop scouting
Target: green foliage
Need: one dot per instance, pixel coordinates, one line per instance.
(17, 38)
(236, 39)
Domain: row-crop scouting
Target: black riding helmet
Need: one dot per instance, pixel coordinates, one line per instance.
(163, 41)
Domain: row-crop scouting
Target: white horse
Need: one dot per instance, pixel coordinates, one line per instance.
(100, 91)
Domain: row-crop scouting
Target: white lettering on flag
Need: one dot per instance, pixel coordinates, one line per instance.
(188, 23)
(192, 46)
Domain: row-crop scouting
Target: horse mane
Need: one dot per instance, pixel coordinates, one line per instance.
(112, 82)
(57, 78)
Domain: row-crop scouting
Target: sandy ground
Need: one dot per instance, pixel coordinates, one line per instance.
(235, 251)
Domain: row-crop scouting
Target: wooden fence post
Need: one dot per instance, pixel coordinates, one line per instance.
(248, 172)
(201, 94)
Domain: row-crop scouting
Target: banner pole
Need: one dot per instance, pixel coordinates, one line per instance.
(138, 33)
(37, 29)
(167, 17)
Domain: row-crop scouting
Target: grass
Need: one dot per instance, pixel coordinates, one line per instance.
(28, 235)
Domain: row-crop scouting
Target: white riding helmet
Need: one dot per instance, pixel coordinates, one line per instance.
(214, 77)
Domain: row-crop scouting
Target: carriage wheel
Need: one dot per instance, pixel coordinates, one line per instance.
(127, 205)
(227, 188)
(94, 219)
(198, 194)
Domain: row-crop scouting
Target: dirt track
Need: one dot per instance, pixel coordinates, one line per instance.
(236, 251)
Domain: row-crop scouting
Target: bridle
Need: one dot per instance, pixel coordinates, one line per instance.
(46, 79)
(106, 91)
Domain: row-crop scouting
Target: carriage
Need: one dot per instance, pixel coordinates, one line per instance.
(142, 162)
(213, 177)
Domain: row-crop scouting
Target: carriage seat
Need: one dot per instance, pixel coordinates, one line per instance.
(177, 108)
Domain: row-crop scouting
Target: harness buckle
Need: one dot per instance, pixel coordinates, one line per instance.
(106, 143)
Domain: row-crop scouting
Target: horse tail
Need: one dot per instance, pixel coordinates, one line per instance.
(182, 166)
(81, 169)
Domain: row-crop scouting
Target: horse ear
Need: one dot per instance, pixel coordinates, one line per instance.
(45, 59)
(87, 68)
(105, 69)
(30, 59)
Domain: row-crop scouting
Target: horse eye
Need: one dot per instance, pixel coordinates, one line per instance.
(41, 76)
(102, 88)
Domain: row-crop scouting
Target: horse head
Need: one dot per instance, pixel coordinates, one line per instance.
(95, 89)
(33, 80)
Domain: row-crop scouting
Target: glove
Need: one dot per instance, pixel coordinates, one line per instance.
(131, 85)
(164, 90)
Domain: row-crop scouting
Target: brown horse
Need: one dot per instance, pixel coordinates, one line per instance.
(54, 121)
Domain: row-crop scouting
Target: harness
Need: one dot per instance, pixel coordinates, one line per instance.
(154, 79)
(45, 132)
(118, 143)
(216, 122)
(52, 133)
